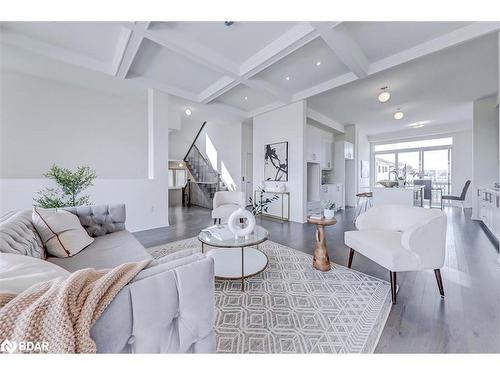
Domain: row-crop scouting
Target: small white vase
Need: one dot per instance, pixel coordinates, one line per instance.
(401, 183)
(328, 214)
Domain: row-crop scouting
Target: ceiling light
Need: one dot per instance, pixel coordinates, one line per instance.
(418, 124)
(399, 114)
(188, 112)
(181, 165)
(287, 78)
(246, 98)
(384, 96)
(318, 63)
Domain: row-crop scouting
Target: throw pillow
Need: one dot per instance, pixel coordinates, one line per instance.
(61, 232)
(20, 272)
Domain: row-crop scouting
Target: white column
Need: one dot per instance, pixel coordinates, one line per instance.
(158, 150)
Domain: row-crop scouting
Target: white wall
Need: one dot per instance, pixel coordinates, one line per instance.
(351, 168)
(485, 144)
(45, 122)
(226, 139)
(287, 123)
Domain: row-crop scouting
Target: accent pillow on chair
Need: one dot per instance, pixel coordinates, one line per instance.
(61, 232)
(20, 272)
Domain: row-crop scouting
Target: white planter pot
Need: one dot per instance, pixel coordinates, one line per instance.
(328, 214)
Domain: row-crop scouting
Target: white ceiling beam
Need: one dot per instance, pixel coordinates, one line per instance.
(325, 86)
(453, 38)
(168, 89)
(121, 48)
(195, 51)
(54, 52)
(131, 49)
(293, 39)
(217, 88)
(325, 120)
(346, 49)
(266, 108)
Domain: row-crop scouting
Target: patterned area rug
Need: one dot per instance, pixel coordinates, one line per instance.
(293, 308)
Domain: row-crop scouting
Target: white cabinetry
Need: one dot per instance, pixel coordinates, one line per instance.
(319, 147)
(333, 192)
(489, 209)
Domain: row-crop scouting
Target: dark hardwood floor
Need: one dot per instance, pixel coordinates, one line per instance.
(467, 320)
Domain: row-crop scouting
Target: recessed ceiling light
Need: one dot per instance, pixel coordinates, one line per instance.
(287, 78)
(188, 112)
(246, 97)
(399, 114)
(181, 165)
(384, 96)
(318, 63)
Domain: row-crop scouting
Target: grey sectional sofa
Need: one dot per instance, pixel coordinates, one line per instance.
(167, 308)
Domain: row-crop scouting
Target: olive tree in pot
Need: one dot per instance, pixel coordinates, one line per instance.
(70, 185)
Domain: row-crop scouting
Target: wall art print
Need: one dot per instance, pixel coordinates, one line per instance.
(276, 162)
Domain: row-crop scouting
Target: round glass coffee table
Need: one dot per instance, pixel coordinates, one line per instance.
(234, 258)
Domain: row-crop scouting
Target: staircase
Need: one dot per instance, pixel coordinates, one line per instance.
(206, 180)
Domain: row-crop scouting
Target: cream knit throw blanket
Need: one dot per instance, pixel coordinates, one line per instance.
(61, 312)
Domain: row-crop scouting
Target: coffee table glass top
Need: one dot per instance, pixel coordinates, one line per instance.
(258, 236)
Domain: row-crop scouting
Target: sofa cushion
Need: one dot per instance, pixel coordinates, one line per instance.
(19, 236)
(61, 231)
(100, 219)
(106, 251)
(383, 247)
(20, 272)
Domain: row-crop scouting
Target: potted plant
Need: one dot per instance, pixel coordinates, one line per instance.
(70, 185)
(328, 209)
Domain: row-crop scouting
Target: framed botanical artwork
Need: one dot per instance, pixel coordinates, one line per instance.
(276, 162)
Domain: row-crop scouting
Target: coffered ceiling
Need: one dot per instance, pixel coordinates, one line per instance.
(248, 67)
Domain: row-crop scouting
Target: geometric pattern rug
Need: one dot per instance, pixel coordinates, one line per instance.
(293, 308)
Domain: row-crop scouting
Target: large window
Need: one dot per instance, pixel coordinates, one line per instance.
(428, 159)
(176, 178)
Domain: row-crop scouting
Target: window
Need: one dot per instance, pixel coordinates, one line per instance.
(176, 178)
(414, 144)
(428, 159)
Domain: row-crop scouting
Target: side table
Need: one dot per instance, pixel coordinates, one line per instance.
(321, 260)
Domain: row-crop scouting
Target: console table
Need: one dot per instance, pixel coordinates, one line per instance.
(282, 195)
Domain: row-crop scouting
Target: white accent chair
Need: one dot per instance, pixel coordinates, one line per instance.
(400, 238)
(225, 203)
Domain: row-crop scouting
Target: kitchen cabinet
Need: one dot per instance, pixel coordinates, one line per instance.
(489, 209)
(319, 147)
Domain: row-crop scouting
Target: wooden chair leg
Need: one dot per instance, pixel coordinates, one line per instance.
(215, 221)
(219, 221)
(351, 254)
(439, 281)
(393, 286)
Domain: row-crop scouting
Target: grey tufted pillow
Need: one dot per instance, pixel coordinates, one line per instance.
(19, 236)
(100, 219)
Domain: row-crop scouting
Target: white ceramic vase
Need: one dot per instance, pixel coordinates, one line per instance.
(328, 214)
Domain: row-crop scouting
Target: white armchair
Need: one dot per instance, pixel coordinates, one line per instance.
(225, 203)
(401, 238)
